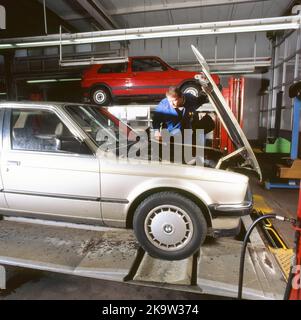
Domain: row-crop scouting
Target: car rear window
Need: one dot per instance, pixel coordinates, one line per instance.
(112, 68)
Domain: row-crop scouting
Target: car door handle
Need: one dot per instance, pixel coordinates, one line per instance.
(13, 163)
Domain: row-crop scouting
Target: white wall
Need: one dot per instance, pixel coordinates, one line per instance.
(179, 49)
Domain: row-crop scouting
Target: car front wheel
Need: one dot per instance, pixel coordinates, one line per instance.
(169, 226)
(100, 96)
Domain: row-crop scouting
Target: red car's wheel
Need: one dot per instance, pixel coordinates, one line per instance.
(192, 88)
(100, 96)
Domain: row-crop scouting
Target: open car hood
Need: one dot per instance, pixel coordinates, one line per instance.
(226, 116)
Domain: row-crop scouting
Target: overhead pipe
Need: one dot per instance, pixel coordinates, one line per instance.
(195, 29)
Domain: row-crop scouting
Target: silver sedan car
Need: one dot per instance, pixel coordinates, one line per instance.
(53, 166)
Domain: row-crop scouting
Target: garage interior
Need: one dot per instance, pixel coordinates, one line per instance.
(253, 46)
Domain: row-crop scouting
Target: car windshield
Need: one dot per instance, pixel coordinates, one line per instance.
(100, 125)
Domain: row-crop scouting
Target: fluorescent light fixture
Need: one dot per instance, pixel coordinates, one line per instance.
(41, 81)
(3, 93)
(42, 43)
(233, 71)
(6, 45)
(71, 79)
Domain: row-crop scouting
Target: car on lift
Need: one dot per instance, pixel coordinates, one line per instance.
(56, 163)
(144, 76)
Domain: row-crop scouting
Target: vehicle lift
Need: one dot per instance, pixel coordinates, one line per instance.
(292, 172)
(114, 254)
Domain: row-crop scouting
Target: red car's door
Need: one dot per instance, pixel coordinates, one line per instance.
(116, 76)
(149, 76)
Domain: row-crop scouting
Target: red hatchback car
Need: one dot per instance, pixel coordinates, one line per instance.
(140, 76)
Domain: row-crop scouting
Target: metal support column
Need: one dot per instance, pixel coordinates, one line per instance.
(8, 71)
(295, 130)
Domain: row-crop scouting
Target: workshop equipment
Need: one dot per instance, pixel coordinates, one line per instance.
(234, 96)
(278, 144)
(292, 169)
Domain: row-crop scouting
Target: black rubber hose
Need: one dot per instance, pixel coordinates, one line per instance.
(291, 274)
(244, 246)
(243, 251)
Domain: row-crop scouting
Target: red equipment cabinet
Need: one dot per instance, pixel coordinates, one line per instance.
(234, 96)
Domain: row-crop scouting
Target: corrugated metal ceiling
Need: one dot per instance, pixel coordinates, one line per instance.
(80, 18)
(239, 11)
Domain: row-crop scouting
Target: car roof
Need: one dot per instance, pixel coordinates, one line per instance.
(144, 57)
(95, 65)
(130, 57)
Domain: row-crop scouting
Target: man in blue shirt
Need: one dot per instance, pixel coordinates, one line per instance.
(176, 111)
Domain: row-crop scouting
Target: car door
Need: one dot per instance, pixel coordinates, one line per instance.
(149, 77)
(115, 75)
(45, 168)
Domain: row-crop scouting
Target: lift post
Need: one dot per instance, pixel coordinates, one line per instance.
(114, 255)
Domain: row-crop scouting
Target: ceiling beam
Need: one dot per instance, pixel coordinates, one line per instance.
(98, 13)
(288, 11)
(105, 13)
(177, 5)
(74, 16)
(170, 17)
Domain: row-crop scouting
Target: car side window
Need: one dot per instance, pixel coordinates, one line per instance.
(112, 68)
(147, 65)
(42, 130)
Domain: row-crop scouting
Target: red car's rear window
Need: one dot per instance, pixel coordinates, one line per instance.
(112, 68)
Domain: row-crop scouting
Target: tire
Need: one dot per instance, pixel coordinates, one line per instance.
(169, 226)
(100, 96)
(192, 88)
